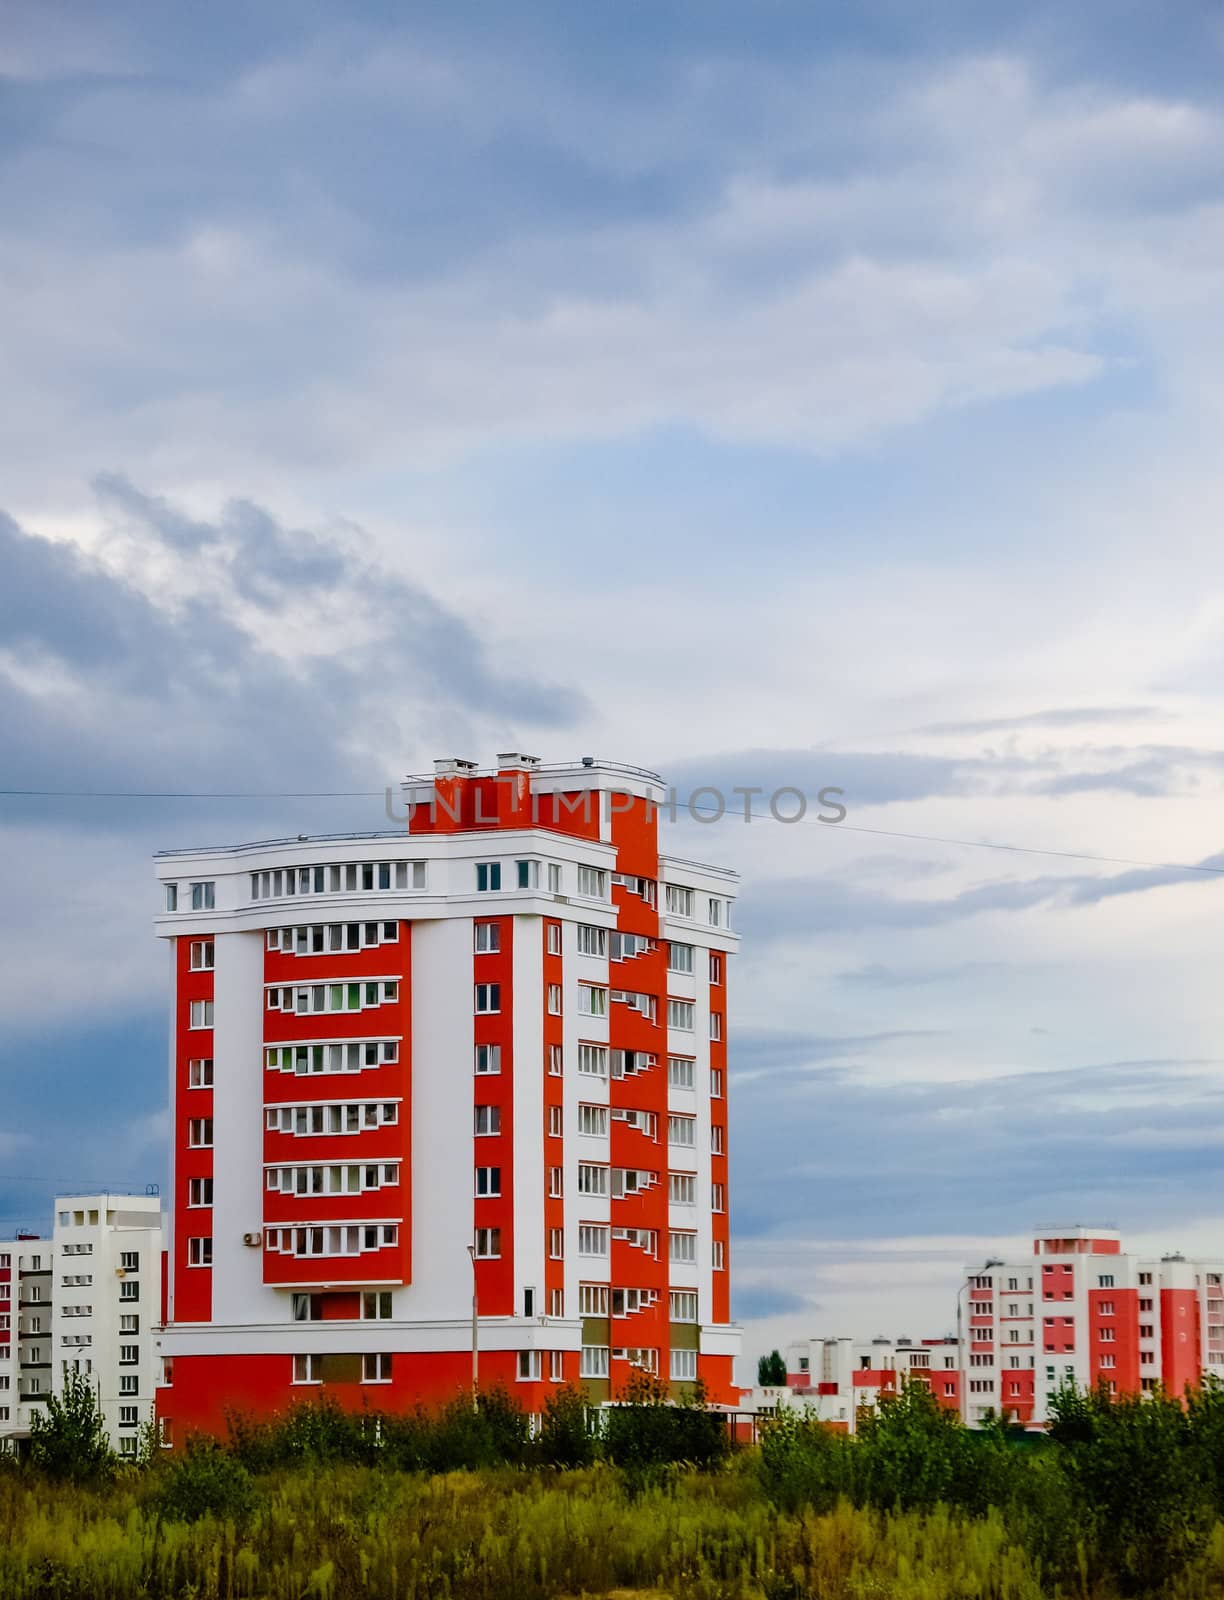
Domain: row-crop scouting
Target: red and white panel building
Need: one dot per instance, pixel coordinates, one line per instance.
(487, 1050)
(1078, 1311)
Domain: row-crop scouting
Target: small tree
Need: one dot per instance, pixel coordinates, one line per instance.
(771, 1371)
(566, 1437)
(68, 1435)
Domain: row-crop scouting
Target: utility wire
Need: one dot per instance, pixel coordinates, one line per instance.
(756, 816)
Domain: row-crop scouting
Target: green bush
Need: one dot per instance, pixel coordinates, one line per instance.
(206, 1480)
(68, 1435)
(567, 1437)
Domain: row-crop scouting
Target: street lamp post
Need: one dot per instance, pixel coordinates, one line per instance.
(471, 1250)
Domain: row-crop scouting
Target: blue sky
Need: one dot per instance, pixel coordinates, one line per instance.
(772, 394)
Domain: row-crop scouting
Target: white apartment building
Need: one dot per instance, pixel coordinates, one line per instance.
(86, 1301)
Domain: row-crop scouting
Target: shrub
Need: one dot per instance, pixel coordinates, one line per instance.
(1139, 1481)
(802, 1462)
(205, 1480)
(567, 1438)
(68, 1435)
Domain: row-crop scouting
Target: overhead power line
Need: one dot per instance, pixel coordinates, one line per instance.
(756, 816)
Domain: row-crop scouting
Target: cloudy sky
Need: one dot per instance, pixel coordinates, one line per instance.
(771, 394)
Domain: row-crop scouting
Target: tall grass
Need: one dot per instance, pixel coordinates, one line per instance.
(1124, 1498)
(354, 1531)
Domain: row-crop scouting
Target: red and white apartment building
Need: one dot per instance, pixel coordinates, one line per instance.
(486, 1052)
(1078, 1311)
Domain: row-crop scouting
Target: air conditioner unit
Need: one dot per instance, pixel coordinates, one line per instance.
(252, 1238)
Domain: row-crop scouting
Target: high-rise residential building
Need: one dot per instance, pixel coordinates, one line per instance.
(1079, 1311)
(483, 1054)
(87, 1300)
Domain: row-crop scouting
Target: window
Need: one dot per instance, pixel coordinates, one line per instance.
(1105, 1281)
(203, 896)
(129, 1383)
(679, 901)
(554, 999)
(128, 1416)
(488, 1182)
(556, 1244)
(682, 1305)
(680, 1015)
(529, 1362)
(1145, 1278)
(556, 1366)
(307, 1307)
(593, 883)
(682, 1189)
(592, 1179)
(200, 1133)
(683, 1365)
(556, 1061)
(1106, 1308)
(682, 1130)
(488, 877)
(172, 897)
(682, 1246)
(201, 955)
(200, 1014)
(679, 958)
(716, 1025)
(553, 938)
(592, 1240)
(554, 879)
(716, 967)
(556, 1183)
(200, 1192)
(593, 1060)
(718, 1197)
(556, 1302)
(486, 1120)
(592, 1001)
(1147, 1330)
(556, 1122)
(718, 1255)
(1109, 1361)
(305, 1369)
(199, 1254)
(681, 1072)
(593, 1120)
(716, 1083)
(129, 1355)
(200, 1074)
(715, 913)
(129, 1323)
(594, 1362)
(488, 1059)
(375, 1368)
(716, 1139)
(592, 1300)
(528, 874)
(488, 998)
(592, 941)
(487, 938)
(1145, 1305)
(488, 1243)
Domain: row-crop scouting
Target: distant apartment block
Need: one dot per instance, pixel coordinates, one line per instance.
(1077, 1311)
(484, 1053)
(86, 1300)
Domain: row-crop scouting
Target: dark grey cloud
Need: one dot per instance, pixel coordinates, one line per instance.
(1054, 717)
(115, 683)
(877, 975)
(1114, 1141)
(783, 908)
(878, 778)
(752, 1301)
